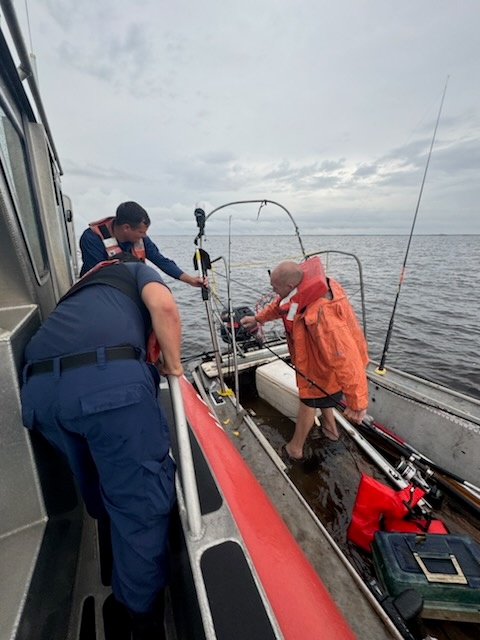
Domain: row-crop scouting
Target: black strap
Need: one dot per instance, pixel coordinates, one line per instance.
(124, 352)
(115, 275)
(104, 230)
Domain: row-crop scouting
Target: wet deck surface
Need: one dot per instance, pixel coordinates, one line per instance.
(328, 480)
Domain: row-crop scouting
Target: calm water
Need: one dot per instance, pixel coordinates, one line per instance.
(436, 332)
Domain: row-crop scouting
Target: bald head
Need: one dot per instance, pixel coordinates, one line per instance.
(285, 277)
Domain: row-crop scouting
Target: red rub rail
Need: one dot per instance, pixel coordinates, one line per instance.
(301, 603)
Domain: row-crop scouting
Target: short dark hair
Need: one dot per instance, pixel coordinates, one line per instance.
(131, 213)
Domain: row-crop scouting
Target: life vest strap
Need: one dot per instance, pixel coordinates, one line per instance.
(105, 231)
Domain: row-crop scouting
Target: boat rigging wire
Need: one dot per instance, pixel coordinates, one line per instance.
(231, 318)
(381, 367)
(202, 264)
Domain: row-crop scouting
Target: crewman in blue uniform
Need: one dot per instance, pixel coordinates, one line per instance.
(127, 232)
(88, 389)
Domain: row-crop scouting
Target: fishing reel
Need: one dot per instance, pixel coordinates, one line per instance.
(407, 469)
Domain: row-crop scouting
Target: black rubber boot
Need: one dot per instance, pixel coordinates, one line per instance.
(144, 626)
(149, 625)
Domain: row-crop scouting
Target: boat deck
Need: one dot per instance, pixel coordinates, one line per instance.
(329, 479)
(354, 600)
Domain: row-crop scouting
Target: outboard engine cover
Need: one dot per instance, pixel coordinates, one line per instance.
(242, 335)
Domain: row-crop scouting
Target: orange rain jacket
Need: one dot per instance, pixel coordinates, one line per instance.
(326, 344)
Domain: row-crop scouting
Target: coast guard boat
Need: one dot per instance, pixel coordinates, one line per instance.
(237, 570)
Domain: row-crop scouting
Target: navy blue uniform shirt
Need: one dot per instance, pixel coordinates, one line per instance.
(93, 252)
(96, 316)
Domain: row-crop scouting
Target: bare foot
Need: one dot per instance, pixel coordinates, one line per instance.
(287, 456)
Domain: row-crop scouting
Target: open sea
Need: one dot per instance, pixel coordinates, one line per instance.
(436, 333)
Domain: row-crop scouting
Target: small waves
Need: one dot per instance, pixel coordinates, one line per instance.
(435, 332)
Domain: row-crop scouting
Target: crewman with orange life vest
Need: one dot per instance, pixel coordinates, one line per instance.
(127, 231)
(88, 389)
(326, 345)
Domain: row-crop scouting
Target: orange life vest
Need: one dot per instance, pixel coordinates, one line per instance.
(104, 229)
(314, 285)
(324, 338)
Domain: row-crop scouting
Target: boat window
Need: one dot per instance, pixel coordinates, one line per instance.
(15, 168)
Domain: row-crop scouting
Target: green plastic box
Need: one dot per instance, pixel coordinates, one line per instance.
(443, 568)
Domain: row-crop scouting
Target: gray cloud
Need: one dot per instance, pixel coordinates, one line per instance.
(326, 107)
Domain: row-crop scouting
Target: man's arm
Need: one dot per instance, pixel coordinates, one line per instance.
(169, 266)
(93, 250)
(194, 281)
(269, 312)
(166, 325)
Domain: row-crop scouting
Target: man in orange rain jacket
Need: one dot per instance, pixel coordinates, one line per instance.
(326, 345)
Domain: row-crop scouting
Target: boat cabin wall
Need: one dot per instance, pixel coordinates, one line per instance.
(36, 241)
(37, 265)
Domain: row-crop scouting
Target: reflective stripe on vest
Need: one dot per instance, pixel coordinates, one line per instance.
(104, 229)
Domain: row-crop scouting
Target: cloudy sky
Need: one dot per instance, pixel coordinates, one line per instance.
(326, 107)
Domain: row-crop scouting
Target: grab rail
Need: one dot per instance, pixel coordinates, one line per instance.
(189, 482)
(27, 71)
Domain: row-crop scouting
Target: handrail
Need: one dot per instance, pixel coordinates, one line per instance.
(360, 275)
(189, 482)
(201, 219)
(26, 68)
(262, 203)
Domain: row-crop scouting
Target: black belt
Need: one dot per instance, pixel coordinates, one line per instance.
(126, 352)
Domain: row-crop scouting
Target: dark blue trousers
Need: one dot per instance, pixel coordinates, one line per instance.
(107, 421)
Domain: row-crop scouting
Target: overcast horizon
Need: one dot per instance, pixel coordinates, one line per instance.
(286, 235)
(327, 108)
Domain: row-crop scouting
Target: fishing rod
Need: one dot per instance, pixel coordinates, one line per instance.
(409, 464)
(381, 367)
(390, 471)
(410, 452)
(456, 485)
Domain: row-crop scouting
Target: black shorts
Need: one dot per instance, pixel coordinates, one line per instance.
(323, 403)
